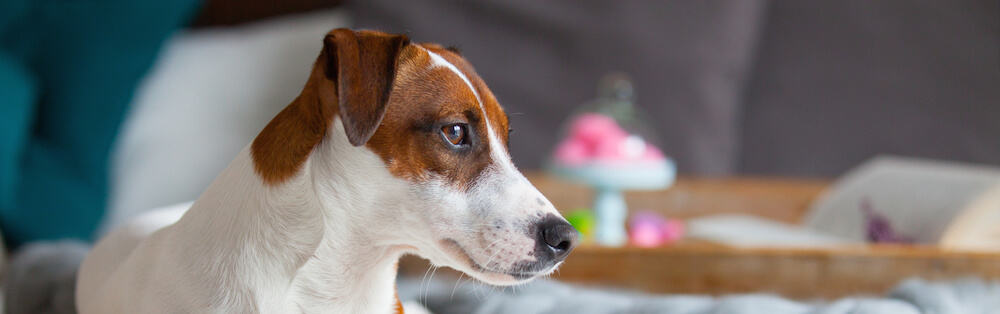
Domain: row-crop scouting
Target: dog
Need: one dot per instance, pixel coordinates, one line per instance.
(391, 148)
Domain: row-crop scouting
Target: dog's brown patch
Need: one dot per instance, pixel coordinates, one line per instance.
(425, 98)
(351, 78)
(390, 99)
(395, 293)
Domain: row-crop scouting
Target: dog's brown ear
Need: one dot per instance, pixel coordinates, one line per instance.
(351, 78)
(363, 65)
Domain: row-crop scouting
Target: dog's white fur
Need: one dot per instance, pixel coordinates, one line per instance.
(325, 241)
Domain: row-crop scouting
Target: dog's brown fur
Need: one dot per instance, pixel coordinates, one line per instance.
(352, 77)
(392, 101)
(360, 76)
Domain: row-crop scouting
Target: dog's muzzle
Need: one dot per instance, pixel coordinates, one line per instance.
(554, 239)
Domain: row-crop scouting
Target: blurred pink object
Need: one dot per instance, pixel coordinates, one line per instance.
(673, 231)
(652, 153)
(593, 128)
(608, 150)
(595, 136)
(572, 153)
(647, 229)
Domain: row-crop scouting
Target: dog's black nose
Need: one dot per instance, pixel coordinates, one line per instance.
(557, 236)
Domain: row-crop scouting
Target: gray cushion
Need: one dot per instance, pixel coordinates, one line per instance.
(784, 87)
(543, 59)
(837, 82)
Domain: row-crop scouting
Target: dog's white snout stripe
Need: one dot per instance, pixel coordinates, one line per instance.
(438, 60)
(499, 153)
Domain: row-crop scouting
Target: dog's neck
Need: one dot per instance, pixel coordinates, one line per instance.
(354, 268)
(313, 242)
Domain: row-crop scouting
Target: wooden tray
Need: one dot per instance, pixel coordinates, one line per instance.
(793, 273)
(780, 199)
(704, 268)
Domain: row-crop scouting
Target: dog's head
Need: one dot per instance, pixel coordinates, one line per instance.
(411, 138)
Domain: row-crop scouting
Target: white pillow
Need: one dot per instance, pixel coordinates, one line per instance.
(209, 93)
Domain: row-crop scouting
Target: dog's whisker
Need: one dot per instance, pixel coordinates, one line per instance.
(422, 288)
(457, 283)
(493, 256)
(429, 281)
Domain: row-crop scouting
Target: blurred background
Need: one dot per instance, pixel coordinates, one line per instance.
(110, 108)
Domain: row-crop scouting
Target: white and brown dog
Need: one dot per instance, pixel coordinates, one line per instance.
(391, 148)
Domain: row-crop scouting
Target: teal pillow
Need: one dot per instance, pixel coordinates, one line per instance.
(70, 68)
(17, 99)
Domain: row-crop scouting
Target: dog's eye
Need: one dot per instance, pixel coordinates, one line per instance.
(455, 133)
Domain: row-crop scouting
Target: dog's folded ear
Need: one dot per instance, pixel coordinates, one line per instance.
(352, 78)
(363, 66)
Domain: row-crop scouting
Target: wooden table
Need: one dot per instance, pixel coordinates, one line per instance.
(705, 268)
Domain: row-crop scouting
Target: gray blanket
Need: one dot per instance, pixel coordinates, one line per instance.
(916, 296)
(41, 277)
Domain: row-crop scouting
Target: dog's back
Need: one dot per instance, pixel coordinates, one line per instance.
(110, 253)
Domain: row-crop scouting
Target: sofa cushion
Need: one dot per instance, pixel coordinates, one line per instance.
(543, 59)
(838, 82)
(208, 95)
